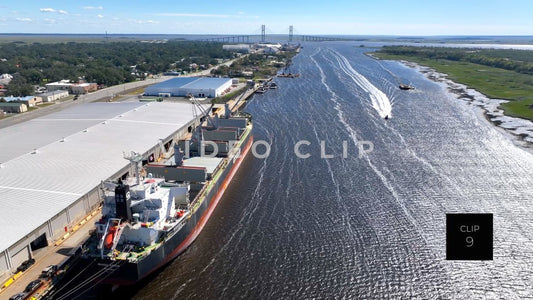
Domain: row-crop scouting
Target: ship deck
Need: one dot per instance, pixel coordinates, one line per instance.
(131, 251)
(210, 163)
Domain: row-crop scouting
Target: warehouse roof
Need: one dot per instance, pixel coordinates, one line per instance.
(188, 83)
(207, 83)
(53, 93)
(174, 82)
(5, 104)
(76, 150)
(24, 137)
(11, 98)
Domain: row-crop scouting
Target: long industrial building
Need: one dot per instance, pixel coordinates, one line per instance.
(51, 167)
(200, 87)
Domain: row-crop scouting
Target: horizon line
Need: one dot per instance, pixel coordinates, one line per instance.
(300, 34)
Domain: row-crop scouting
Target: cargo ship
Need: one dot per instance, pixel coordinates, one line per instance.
(151, 218)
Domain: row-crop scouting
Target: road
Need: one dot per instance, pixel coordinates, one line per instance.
(106, 93)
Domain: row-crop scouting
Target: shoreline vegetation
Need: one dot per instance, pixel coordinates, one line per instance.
(496, 73)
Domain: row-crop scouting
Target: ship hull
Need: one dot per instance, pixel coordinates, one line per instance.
(129, 273)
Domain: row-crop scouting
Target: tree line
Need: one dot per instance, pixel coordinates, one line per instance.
(259, 63)
(103, 63)
(520, 61)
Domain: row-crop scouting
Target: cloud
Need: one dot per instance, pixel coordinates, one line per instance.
(100, 16)
(193, 15)
(93, 7)
(51, 10)
(23, 19)
(145, 21)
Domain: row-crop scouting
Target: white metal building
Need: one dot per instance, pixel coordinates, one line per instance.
(244, 48)
(59, 85)
(51, 167)
(53, 95)
(200, 87)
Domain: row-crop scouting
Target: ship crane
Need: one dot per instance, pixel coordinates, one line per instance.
(204, 113)
(197, 139)
(135, 158)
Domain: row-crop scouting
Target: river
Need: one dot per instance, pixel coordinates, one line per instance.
(361, 224)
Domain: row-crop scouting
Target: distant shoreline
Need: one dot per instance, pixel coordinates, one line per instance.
(442, 40)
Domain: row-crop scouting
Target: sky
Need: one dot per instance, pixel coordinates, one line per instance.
(355, 17)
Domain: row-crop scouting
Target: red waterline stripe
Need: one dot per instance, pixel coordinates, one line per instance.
(205, 217)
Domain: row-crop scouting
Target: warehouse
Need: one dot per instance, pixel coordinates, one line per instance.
(30, 101)
(51, 167)
(244, 48)
(58, 86)
(200, 87)
(13, 107)
(53, 96)
(83, 88)
(73, 88)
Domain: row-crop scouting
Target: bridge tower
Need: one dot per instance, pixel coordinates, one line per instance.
(290, 33)
(263, 33)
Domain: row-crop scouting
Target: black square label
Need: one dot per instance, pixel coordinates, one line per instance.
(469, 236)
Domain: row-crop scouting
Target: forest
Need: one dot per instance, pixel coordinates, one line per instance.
(103, 63)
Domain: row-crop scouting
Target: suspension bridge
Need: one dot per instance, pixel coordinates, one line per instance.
(291, 37)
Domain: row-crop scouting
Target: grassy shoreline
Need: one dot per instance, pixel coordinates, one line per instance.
(493, 82)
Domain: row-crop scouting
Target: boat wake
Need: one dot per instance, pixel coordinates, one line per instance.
(380, 101)
(389, 185)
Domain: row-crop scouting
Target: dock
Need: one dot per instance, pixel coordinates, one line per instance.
(240, 101)
(59, 254)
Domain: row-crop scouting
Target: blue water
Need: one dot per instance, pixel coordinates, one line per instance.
(371, 225)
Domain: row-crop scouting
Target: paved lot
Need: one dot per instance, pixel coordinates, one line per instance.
(51, 255)
(106, 93)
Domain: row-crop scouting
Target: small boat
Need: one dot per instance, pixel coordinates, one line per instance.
(261, 90)
(406, 87)
(386, 117)
(289, 75)
(273, 85)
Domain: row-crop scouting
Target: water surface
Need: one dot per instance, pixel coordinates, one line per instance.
(362, 227)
